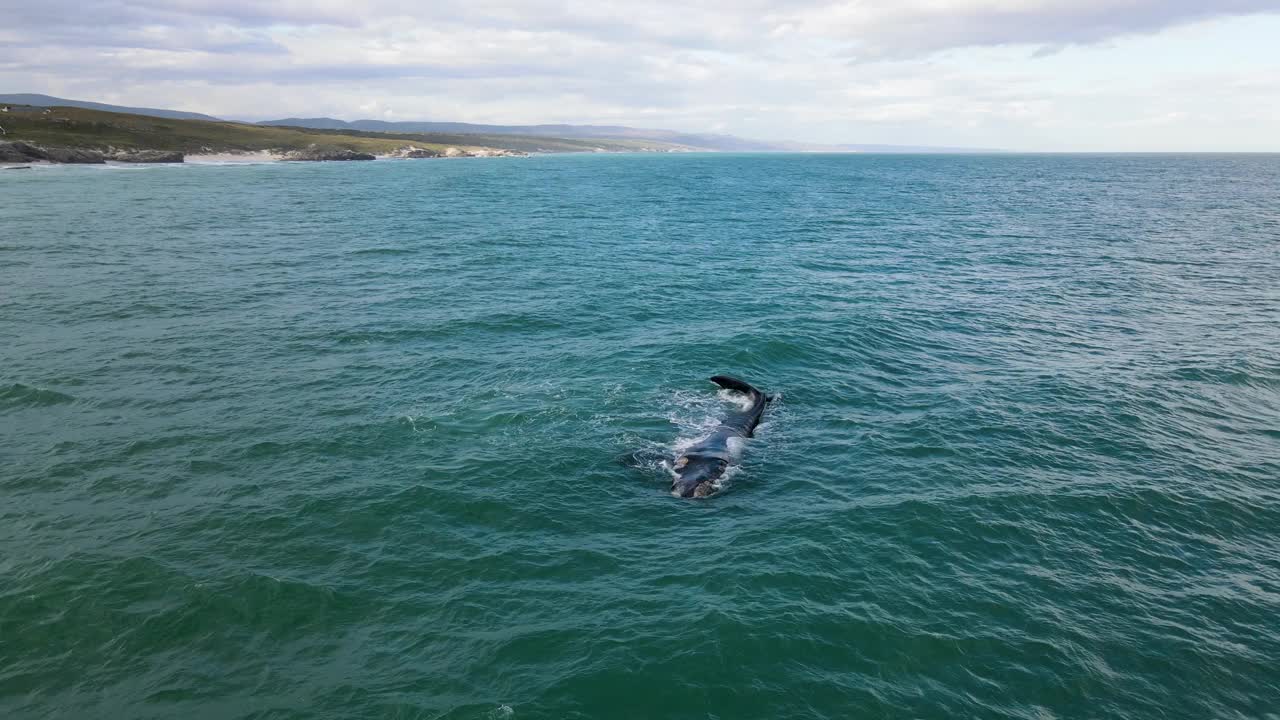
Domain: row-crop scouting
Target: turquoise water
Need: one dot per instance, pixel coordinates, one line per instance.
(344, 440)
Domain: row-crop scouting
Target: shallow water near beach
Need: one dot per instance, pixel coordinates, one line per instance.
(352, 440)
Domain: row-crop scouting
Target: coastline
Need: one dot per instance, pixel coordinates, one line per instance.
(233, 158)
(16, 154)
(62, 134)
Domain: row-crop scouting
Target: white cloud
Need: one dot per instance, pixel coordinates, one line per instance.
(910, 28)
(1014, 73)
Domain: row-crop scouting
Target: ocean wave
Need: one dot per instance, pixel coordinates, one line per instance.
(258, 460)
(18, 395)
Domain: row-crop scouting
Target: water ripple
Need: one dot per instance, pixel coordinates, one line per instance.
(352, 449)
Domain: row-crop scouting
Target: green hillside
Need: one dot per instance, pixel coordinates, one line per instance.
(99, 130)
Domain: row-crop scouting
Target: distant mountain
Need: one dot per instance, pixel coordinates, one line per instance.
(721, 143)
(101, 130)
(314, 123)
(726, 143)
(616, 134)
(48, 101)
(912, 149)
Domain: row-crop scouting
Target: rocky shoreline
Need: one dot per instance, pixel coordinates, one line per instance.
(21, 152)
(319, 154)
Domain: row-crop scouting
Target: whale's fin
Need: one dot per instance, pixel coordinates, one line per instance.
(729, 383)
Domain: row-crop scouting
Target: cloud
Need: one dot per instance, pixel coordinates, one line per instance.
(771, 67)
(886, 28)
(910, 28)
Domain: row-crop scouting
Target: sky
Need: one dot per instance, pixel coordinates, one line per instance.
(1045, 75)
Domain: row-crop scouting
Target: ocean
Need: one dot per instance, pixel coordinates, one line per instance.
(355, 440)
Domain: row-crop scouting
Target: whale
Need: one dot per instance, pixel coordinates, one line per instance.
(696, 470)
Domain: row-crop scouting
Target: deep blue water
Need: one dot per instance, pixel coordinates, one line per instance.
(344, 440)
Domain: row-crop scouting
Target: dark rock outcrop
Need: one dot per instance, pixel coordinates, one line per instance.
(317, 154)
(20, 152)
(148, 156)
(74, 155)
(19, 167)
(418, 153)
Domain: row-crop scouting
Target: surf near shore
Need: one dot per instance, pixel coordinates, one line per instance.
(21, 153)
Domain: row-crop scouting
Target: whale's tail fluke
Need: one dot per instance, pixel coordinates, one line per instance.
(731, 383)
(745, 421)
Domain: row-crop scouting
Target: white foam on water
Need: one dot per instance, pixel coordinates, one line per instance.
(37, 165)
(726, 478)
(742, 400)
(680, 444)
(695, 413)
